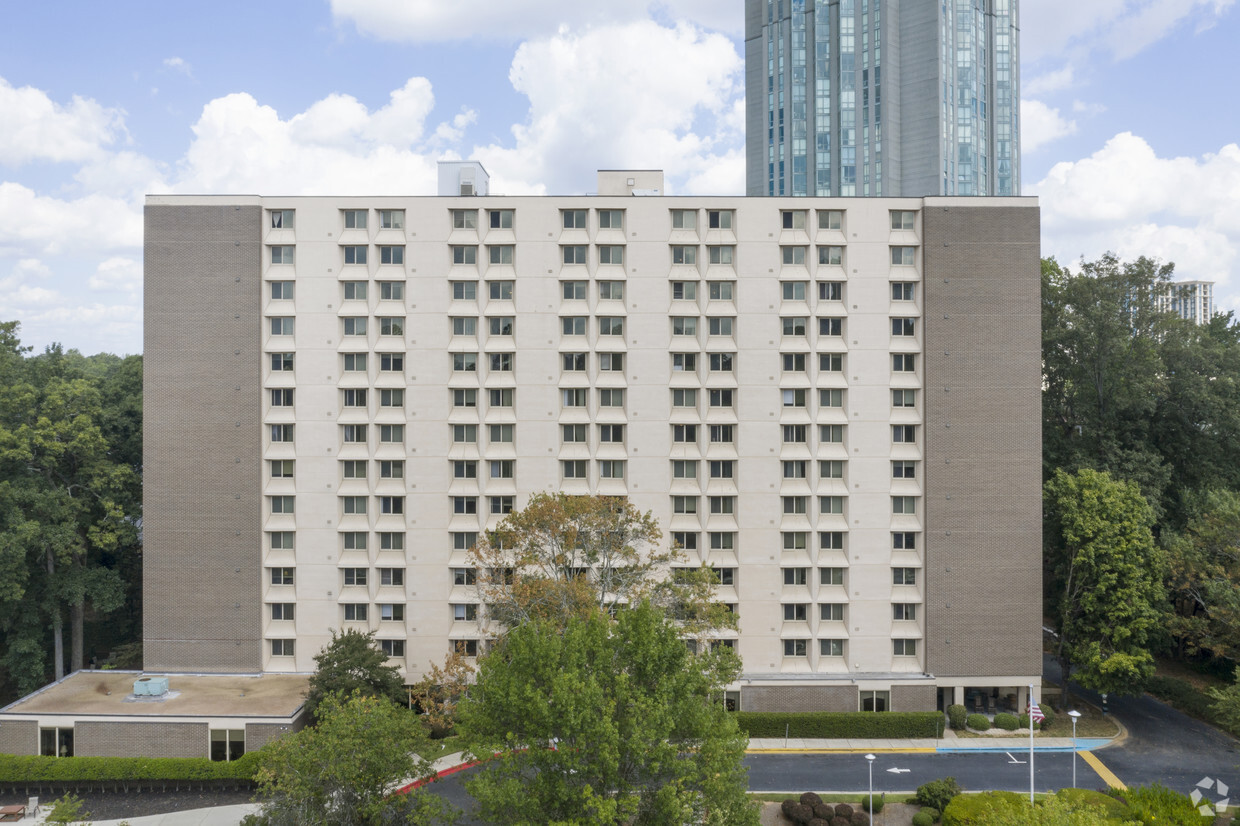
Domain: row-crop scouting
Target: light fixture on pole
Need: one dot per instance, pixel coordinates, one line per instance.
(1075, 715)
(869, 758)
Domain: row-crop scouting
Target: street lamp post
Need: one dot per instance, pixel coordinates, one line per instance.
(869, 758)
(1075, 715)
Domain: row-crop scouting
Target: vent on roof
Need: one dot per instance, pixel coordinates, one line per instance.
(150, 686)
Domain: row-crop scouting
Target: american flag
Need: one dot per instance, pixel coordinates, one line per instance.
(1035, 713)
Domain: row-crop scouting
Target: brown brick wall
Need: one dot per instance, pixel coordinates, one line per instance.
(799, 698)
(258, 735)
(983, 441)
(129, 739)
(19, 737)
(202, 440)
(913, 698)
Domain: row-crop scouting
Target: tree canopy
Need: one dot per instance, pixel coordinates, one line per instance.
(604, 721)
(352, 664)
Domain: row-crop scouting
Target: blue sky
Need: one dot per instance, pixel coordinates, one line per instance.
(1130, 124)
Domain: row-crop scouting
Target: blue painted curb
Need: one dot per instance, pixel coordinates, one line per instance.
(1083, 744)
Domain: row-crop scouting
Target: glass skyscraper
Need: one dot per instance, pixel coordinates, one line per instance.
(882, 97)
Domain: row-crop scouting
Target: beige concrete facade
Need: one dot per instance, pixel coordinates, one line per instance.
(441, 358)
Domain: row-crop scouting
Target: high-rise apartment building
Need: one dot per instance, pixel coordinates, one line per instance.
(1190, 300)
(834, 402)
(882, 97)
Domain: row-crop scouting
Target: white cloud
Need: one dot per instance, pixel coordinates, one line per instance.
(1040, 124)
(511, 20)
(1127, 199)
(33, 224)
(179, 65)
(1053, 81)
(118, 273)
(38, 128)
(1121, 28)
(1084, 108)
(592, 105)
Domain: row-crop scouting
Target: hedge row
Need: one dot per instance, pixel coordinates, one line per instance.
(842, 725)
(25, 770)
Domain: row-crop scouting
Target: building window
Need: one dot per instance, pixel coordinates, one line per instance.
(792, 290)
(281, 576)
(611, 362)
(613, 255)
(282, 326)
(903, 398)
(500, 290)
(831, 648)
(794, 468)
(355, 611)
(831, 291)
(830, 576)
(501, 325)
(611, 397)
(574, 218)
(903, 327)
(794, 434)
(391, 326)
(722, 434)
(391, 469)
(684, 254)
(391, 290)
(722, 469)
(684, 362)
(465, 397)
(392, 648)
(684, 291)
(795, 540)
(392, 255)
(281, 362)
(501, 218)
(684, 326)
(831, 326)
(722, 541)
(282, 504)
(574, 469)
(684, 433)
(354, 397)
(902, 219)
(464, 290)
(684, 469)
(573, 254)
(904, 433)
(903, 470)
(720, 290)
(611, 433)
(795, 648)
(721, 362)
(830, 219)
(721, 254)
(903, 290)
(684, 219)
(793, 398)
(573, 325)
(796, 612)
(574, 396)
(283, 648)
(904, 611)
(793, 326)
(719, 218)
(794, 256)
(904, 648)
(875, 700)
(464, 219)
(282, 611)
(793, 219)
(904, 541)
(354, 362)
(903, 576)
(354, 469)
(611, 290)
(831, 362)
(281, 290)
(611, 326)
(391, 541)
(725, 576)
(723, 505)
(831, 612)
(723, 398)
(831, 433)
(464, 254)
(391, 505)
(721, 325)
(392, 576)
(282, 540)
(355, 218)
(502, 362)
(831, 256)
(466, 648)
(464, 362)
(391, 219)
(465, 504)
(904, 505)
(903, 256)
(831, 397)
(354, 325)
(500, 253)
(464, 612)
(465, 434)
(831, 468)
(282, 218)
(391, 612)
(573, 433)
(282, 397)
(830, 505)
(831, 540)
(392, 433)
(904, 362)
(503, 468)
(355, 254)
(282, 468)
(502, 505)
(282, 254)
(611, 469)
(684, 504)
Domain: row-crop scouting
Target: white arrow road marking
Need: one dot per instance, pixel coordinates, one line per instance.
(1012, 759)
(899, 771)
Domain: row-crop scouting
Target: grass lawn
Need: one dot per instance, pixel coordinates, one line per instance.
(435, 749)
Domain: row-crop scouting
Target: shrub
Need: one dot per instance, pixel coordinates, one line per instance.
(810, 799)
(1049, 721)
(969, 809)
(923, 818)
(67, 810)
(32, 770)
(819, 822)
(843, 810)
(799, 813)
(934, 813)
(956, 715)
(860, 818)
(977, 722)
(1158, 804)
(823, 811)
(878, 803)
(1005, 721)
(1042, 726)
(1088, 798)
(938, 793)
(787, 806)
(836, 725)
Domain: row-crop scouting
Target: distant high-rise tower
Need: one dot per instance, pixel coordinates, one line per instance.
(882, 97)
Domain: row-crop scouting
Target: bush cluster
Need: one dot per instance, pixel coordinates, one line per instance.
(925, 817)
(1150, 804)
(842, 725)
(1042, 726)
(956, 715)
(978, 722)
(810, 810)
(1007, 722)
(937, 794)
(32, 770)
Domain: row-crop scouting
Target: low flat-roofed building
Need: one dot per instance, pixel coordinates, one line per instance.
(129, 713)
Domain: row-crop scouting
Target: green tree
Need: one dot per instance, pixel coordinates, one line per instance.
(568, 556)
(1204, 575)
(1226, 705)
(352, 664)
(602, 721)
(345, 769)
(1104, 580)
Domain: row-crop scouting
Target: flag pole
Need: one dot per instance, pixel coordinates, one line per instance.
(1031, 744)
